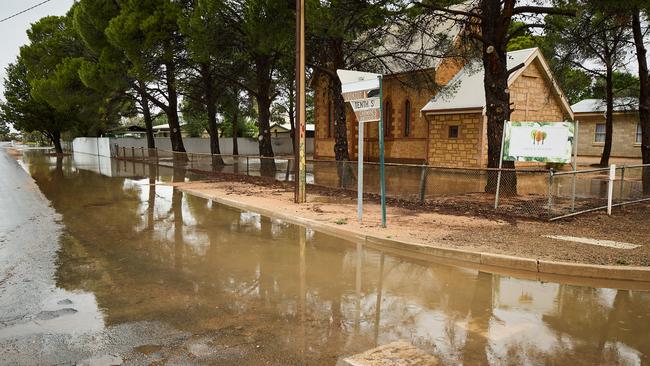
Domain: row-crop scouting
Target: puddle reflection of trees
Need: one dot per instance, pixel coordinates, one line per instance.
(204, 267)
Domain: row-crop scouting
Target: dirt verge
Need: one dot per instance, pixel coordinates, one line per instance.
(448, 226)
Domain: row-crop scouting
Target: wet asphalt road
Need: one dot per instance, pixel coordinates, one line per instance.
(41, 324)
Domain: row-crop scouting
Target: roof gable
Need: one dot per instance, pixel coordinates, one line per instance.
(466, 92)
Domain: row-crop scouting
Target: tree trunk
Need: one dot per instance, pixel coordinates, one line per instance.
(263, 97)
(644, 97)
(497, 99)
(341, 152)
(172, 112)
(146, 113)
(235, 148)
(609, 116)
(55, 136)
(292, 116)
(211, 108)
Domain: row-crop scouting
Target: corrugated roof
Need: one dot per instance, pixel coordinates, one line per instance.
(465, 90)
(626, 104)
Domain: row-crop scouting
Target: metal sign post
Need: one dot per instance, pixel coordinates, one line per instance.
(360, 173)
(382, 180)
(363, 90)
(503, 141)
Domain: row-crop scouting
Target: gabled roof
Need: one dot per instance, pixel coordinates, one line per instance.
(466, 92)
(626, 104)
(287, 127)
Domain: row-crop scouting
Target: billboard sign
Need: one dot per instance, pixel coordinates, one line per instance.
(545, 142)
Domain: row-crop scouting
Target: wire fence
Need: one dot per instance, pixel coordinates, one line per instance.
(532, 193)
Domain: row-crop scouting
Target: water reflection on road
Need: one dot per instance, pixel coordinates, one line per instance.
(151, 253)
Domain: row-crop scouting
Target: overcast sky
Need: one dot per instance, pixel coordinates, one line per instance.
(12, 31)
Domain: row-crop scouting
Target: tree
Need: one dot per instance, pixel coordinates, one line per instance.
(4, 129)
(598, 36)
(148, 34)
(576, 83)
(261, 33)
(28, 114)
(644, 93)
(53, 58)
(489, 24)
(204, 84)
(107, 68)
(366, 35)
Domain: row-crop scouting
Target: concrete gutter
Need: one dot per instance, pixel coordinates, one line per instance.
(540, 269)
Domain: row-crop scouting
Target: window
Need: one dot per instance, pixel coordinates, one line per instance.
(453, 132)
(637, 140)
(330, 118)
(600, 132)
(388, 123)
(407, 118)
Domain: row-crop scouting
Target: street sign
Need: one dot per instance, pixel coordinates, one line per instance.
(365, 104)
(363, 91)
(368, 115)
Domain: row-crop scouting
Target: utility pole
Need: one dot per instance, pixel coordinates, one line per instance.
(300, 174)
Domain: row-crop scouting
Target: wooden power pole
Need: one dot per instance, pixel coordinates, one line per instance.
(300, 174)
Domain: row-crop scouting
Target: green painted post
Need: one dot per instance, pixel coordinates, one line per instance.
(382, 180)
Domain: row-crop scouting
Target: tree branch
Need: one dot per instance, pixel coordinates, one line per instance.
(543, 10)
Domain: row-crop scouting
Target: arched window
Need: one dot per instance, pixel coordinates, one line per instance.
(330, 119)
(407, 118)
(388, 118)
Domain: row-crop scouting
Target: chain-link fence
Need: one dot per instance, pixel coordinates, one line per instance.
(533, 193)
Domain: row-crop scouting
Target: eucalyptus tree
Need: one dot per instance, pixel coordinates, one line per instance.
(148, 34)
(597, 42)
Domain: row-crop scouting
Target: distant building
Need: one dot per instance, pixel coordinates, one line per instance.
(626, 136)
(448, 128)
(279, 129)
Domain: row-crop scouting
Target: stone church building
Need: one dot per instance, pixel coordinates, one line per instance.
(448, 129)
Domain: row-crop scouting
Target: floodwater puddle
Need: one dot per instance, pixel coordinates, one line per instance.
(247, 288)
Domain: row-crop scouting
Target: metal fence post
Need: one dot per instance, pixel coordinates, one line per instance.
(133, 152)
(551, 174)
(123, 152)
(286, 175)
(423, 182)
(610, 188)
(622, 182)
(247, 166)
(142, 151)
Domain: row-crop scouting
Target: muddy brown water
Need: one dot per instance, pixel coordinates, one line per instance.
(221, 286)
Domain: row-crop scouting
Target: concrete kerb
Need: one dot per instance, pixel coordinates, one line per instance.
(484, 260)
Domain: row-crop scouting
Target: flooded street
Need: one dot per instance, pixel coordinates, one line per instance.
(101, 261)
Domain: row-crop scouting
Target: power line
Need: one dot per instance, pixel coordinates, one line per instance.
(24, 11)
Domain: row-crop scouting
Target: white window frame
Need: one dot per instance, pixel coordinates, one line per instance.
(638, 136)
(603, 133)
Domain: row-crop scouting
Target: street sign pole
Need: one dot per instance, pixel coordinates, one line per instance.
(382, 181)
(300, 174)
(360, 173)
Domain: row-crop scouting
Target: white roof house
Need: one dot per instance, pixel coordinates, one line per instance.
(465, 92)
(599, 106)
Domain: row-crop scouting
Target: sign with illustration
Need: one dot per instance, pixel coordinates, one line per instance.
(545, 142)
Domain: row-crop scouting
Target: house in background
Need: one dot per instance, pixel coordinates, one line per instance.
(626, 136)
(447, 128)
(280, 129)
